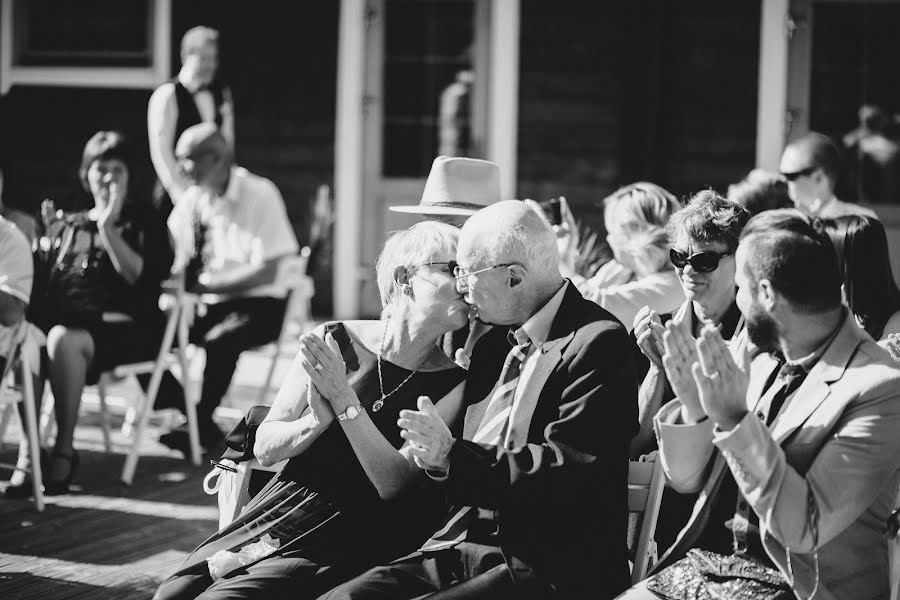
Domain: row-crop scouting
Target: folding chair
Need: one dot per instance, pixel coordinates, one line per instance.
(178, 323)
(645, 488)
(9, 397)
(291, 274)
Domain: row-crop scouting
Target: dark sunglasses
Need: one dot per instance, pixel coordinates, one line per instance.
(702, 262)
(795, 175)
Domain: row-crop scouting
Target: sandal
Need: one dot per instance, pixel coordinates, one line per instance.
(58, 488)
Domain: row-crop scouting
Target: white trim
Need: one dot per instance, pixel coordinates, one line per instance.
(103, 77)
(348, 158)
(772, 85)
(503, 98)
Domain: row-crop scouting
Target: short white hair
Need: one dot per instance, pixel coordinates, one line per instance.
(197, 37)
(428, 241)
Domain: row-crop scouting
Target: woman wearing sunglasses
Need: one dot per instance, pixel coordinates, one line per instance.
(704, 236)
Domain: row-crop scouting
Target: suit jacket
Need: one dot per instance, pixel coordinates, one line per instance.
(822, 480)
(561, 499)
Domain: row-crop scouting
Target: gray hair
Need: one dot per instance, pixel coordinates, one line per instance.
(423, 242)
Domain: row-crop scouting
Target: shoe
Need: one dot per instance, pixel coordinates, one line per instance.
(25, 489)
(212, 441)
(58, 488)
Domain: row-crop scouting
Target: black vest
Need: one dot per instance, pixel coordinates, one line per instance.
(188, 115)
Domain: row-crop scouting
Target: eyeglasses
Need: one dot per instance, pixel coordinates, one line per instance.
(462, 275)
(795, 175)
(450, 264)
(702, 262)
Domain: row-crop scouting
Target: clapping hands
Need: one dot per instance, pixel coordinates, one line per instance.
(649, 330)
(429, 437)
(705, 376)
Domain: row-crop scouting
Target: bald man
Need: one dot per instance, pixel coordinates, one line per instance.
(537, 473)
(812, 165)
(246, 235)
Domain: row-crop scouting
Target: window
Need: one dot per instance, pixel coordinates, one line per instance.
(89, 43)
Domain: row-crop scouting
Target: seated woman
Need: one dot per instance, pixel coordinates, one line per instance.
(869, 286)
(704, 238)
(102, 291)
(635, 217)
(347, 499)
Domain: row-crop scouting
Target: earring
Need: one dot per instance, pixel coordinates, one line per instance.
(407, 289)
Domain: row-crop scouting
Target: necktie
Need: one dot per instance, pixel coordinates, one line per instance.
(490, 432)
(789, 378)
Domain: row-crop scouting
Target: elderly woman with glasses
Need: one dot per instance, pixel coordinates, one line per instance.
(703, 236)
(636, 217)
(350, 495)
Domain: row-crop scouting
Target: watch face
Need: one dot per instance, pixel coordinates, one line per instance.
(353, 412)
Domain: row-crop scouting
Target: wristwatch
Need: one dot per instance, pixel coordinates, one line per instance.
(353, 411)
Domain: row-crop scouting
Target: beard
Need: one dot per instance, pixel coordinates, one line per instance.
(762, 329)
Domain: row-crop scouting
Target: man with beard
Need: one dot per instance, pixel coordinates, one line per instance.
(796, 452)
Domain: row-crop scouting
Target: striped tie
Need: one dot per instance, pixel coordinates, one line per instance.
(490, 432)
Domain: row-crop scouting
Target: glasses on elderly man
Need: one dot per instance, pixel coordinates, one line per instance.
(702, 262)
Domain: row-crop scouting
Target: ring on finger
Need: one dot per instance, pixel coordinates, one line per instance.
(318, 367)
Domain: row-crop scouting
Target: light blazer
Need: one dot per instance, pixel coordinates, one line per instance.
(828, 469)
(561, 498)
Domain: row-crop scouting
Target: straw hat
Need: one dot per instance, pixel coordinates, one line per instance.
(457, 186)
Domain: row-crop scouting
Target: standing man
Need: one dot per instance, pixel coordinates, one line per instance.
(812, 167)
(538, 473)
(796, 454)
(247, 234)
(195, 96)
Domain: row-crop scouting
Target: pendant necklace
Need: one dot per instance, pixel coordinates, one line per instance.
(378, 404)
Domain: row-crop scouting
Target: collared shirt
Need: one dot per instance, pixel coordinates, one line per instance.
(247, 225)
(537, 330)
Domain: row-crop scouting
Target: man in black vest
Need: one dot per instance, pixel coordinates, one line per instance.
(195, 96)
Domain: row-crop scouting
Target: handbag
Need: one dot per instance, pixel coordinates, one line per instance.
(704, 575)
(69, 286)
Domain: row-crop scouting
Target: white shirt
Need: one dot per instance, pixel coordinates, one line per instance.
(248, 225)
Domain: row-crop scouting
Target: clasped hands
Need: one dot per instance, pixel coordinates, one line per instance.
(704, 375)
(329, 392)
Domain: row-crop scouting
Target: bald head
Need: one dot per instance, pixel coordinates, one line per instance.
(512, 254)
(204, 157)
(511, 231)
(203, 138)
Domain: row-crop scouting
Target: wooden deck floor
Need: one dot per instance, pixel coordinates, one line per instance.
(106, 540)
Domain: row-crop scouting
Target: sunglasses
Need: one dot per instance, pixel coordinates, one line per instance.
(702, 262)
(795, 175)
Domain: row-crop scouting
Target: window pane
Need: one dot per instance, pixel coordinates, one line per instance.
(427, 83)
(856, 78)
(83, 33)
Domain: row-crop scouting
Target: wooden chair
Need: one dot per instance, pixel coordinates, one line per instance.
(16, 358)
(291, 274)
(646, 482)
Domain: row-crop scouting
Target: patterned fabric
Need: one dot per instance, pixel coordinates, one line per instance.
(491, 432)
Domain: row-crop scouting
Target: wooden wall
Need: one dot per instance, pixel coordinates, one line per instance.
(615, 92)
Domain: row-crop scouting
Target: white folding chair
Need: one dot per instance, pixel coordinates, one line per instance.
(646, 482)
(9, 396)
(291, 274)
(177, 324)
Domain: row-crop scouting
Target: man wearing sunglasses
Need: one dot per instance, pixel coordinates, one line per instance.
(538, 469)
(812, 166)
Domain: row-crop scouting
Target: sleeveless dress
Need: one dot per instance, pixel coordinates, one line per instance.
(322, 506)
